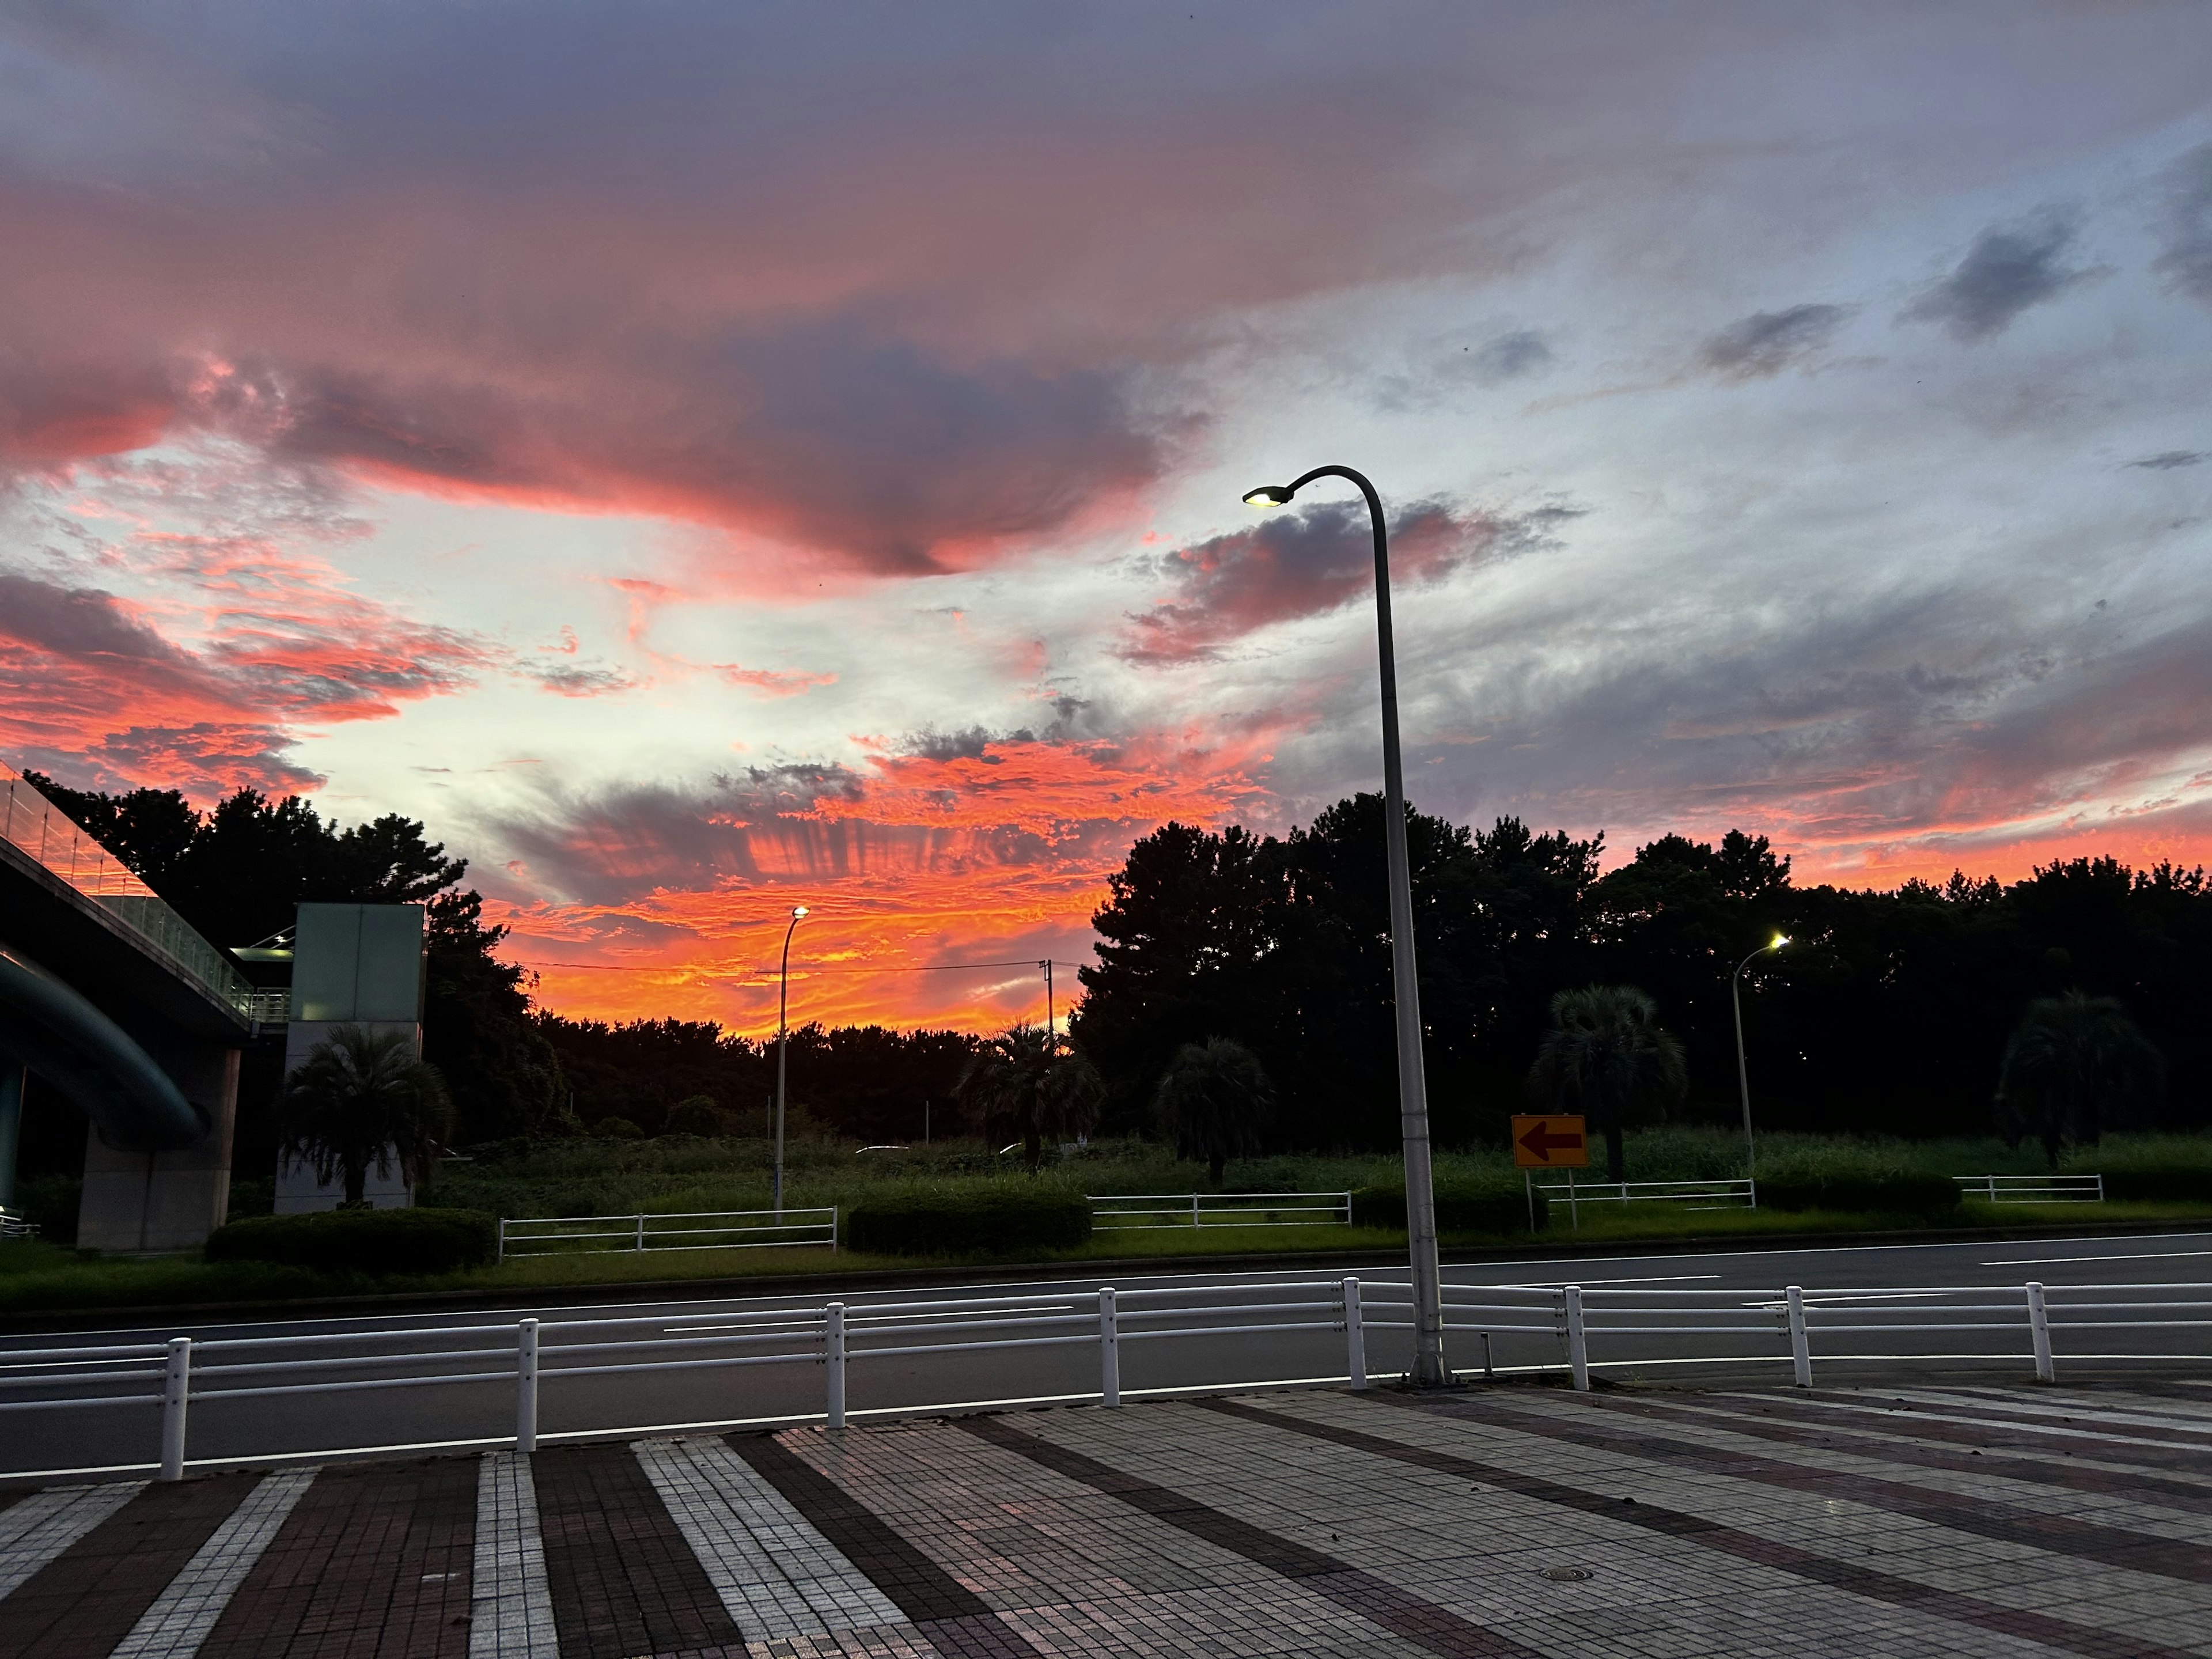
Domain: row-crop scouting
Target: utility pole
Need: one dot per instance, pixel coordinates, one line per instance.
(1051, 1034)
(782, 1042)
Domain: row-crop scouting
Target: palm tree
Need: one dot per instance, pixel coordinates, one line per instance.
(2075, 1065)
(1604, 1054)
(361, 1099)
(1019, 1079)
(1215, 1100)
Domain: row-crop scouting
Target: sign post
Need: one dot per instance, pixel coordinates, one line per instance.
(1553, 1141)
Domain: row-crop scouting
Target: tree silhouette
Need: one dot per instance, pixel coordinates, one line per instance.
(1215, 1102)
(359, 1100)
(1604, 1054)
(2075, 1066)
(1017, 1079)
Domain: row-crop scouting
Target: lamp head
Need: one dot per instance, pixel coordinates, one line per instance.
(1267, 495)
(797, 911)
(1779, 940)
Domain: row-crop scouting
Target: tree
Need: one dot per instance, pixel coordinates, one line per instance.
(1017, 1079)
(1215, 1102)
(359, 1100)
(2076, 1065)
(1605, 1056)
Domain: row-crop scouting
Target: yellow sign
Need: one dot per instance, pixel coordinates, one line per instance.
(1552, 1142)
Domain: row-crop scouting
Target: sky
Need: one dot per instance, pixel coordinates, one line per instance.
(707, 460)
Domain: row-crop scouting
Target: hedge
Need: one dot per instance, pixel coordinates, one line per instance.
(1463, 1206)
(362, 1240)
(1900, 1193)
(2177, 1184)
(992, 1222)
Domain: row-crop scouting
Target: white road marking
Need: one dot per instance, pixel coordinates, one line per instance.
(775, 1574)
(2054, 1261)
(510, 1607)
(42, 1526)
(184, 1614)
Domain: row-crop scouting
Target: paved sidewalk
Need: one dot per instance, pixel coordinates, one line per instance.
(1506, 1523)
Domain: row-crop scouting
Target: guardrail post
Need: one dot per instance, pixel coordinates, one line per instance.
(1194, 1209)
(1751, 1184)
(1577, 1344)
(641, 1234)
(1109, 1349)
(2039, 1325)
(833, 1350)
(2100, 1189)
(176, 1395)
(1355, 1337)
(526, 1386)
(1801, 1349)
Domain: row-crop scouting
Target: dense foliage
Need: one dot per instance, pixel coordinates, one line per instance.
(360, 1241)
(1889, 1012)
(979, 1221)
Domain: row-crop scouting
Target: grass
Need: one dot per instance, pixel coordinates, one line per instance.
(678, 1174)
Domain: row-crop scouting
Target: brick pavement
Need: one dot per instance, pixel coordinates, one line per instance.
(1514, 1523)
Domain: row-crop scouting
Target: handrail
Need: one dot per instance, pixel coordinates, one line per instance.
(637, 1232)
(2034, 1188)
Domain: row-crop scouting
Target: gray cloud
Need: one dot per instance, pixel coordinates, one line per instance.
(2008, 269)
(1514, 356)
(2187, 260)
(1767, 342)
(2171, 459)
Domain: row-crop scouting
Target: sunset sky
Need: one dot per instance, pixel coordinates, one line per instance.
(705, 457)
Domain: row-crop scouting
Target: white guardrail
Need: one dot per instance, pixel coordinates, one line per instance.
(14, 1224)
(1136, 1212)
(1567, 1321)
(1695, 1195)
(710, 1230)
(2033, 1188)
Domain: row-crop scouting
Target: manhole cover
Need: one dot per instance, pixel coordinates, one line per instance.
(1565, 1574)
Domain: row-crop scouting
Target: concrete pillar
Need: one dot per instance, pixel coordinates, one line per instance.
(157, 1203)
(12, 1078)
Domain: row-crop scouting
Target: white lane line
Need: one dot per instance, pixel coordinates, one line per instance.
(510, 1607)
(42, 1526)
(2056, 1260)
(776, 1575)
(2114, 1420)
(184, 1614)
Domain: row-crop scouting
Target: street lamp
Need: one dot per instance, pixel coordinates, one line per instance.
(1743, 1071)
(1412, 1084)
(782, 1005)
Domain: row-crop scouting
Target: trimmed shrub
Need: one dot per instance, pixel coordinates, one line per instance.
(698, 1115)
(362, 1240)
(992, 1222)
(617, 1128)
(1899, 1191)
(2177, 1185)
(1463, 1206)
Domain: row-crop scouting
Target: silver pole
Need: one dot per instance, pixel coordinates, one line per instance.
(1743, 1069)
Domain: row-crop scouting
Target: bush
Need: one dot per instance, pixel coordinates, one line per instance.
(2181, 1185)
(362, 1240)
(617, 1128)
(1463, 1206)
(698, 1115)
(1898, 1192)
(993, 1222)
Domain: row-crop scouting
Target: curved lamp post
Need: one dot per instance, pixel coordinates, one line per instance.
(1743, 1071)
(782, 1005)
(1412, 1083)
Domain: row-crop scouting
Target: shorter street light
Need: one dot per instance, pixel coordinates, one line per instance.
(1743, 1070)
(782, 1036)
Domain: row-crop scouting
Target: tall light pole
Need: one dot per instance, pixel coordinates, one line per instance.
(782, 1041)
(1743, 1070)
(1412, 1083)
(1051, 1036)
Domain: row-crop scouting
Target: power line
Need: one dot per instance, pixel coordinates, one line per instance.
(922, 968)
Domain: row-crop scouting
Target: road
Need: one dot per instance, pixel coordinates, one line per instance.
(478, 1346)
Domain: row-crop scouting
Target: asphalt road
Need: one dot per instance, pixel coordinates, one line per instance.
(1737, 1286)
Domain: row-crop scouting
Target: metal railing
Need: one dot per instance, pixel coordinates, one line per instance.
(1571, 1324)
(65, 849)
(1695, 1195)
(1139, 1212)
(2033, 1188)
(14, 1224)
(711, 1229)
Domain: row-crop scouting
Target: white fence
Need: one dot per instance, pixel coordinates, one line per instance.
(2033, 1188)
(1696, 1194)
(1118, 1212)
(14, 1224)
(710, 1229)
(1569, 1326)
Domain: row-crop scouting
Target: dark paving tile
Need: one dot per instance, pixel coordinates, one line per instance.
(372, 1563)
(85, 1600)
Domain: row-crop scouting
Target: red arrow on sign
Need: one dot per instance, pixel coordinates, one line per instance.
(1542, 1140)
